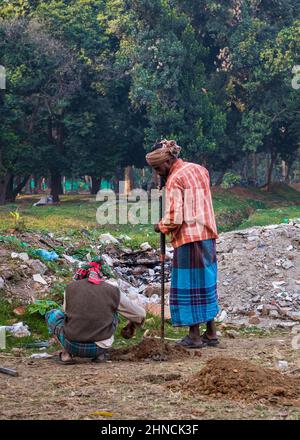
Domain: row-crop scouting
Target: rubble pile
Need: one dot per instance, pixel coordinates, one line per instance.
(258, 271)
(259, 275)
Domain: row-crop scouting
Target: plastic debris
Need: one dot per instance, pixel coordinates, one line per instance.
(39, 279)
(38, 266)
(46, 255)
(70, 259)
(19, 330)
(278, 284)
(222, 317)
(22, 256)
(108, 259)
(108, 238)
(282, 364)
(41, 356)
(145, 246)
(125, 237)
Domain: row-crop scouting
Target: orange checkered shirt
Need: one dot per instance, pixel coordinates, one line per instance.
(189, 214)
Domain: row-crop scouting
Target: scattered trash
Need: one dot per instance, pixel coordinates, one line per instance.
(222, 317)
(108, 238)
(70, 259)
(22, 256)
(278, 284)
(108, 260)
(1, 283)
(145, 246)
(46, 255)
(282, 364)
(125, 237)
(46, 200)
(38, 266)
(41, 356)
(19, 330)
(39, 279)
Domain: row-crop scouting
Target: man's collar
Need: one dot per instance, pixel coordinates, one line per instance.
(176, 165)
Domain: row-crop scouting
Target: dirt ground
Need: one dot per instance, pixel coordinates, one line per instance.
(141, 390)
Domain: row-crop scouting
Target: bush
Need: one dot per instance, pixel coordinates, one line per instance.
(230, 180)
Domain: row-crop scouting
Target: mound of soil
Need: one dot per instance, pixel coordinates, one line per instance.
(151, 349)
(241, 380)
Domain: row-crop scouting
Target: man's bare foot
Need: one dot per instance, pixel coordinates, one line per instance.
(65, 358)
(102, 358)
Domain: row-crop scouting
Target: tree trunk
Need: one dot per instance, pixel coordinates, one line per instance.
(28, 189)
(254, 169)
(35, 189)
(64, 184)
(96, 182)
(4, 182)
(289, 165)
(13, 192)
(245, 169)
(285, 171)
(55, 184)
(128, 179)
(270, 170)
(9, 190)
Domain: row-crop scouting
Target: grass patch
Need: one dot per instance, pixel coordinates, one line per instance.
(233, 207)
(36, 324)
(263, 217)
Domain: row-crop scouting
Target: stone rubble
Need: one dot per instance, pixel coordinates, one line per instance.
(258, 273)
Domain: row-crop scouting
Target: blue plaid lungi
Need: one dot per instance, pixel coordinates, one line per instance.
(193, 296)
(55, 320)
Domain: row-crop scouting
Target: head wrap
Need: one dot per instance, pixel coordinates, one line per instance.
(168, 150)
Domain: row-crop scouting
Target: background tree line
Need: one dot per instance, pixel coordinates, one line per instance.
(91, 84)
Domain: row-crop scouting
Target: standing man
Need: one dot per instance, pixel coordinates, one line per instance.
(189, 218)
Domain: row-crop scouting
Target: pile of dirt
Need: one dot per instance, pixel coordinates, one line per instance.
(241, 380)
(151, 349)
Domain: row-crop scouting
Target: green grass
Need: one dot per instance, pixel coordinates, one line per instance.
(263, 217)
(233, 208)
(236, 208)
(38, 328)
(35, 322)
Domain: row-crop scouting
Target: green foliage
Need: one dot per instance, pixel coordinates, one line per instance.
(230, 180)
(42, 306)
(92, 84)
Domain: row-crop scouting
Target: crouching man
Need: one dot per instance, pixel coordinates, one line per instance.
(87, 325)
